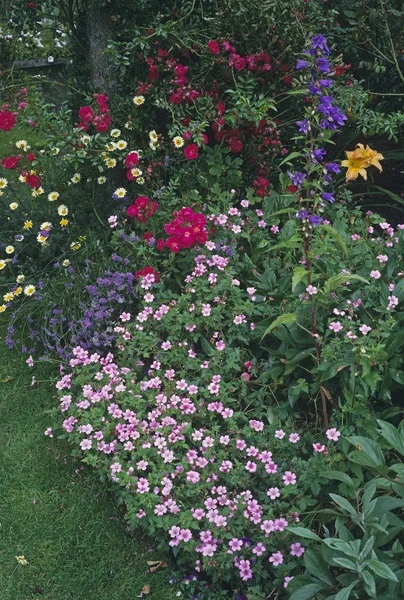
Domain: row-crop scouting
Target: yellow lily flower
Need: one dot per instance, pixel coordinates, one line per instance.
(359, 160)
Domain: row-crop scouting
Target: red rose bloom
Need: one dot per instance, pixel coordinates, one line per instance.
(191, 151)
(7, 120)
(148, 271)
(86, 114)
(160, 244)
(213, 47)
(33, 181)
(30, 157)
(10, 162)
(132, 160)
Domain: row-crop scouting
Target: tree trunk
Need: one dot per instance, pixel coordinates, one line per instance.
(99, 32)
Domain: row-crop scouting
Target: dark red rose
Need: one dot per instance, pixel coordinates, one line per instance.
(33, 181)
(86, 114)
(7, 120)
(191, 151)
(213, 47)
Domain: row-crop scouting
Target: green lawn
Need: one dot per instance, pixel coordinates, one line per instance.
(63, 520)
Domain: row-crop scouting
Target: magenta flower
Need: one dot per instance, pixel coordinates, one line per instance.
(364, 329)
(294, 438)
(335, 326)
(333, 434)
(280, 434)
(289, 478)
(273, 493)
(375, 274)
(276, 558)
(297, 549)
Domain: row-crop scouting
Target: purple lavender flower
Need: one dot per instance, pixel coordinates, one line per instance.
(333, 168)
(297, 178)
(315, 220)
(301, 64)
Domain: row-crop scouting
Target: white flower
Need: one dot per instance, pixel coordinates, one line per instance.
(29, 290)
(50, 59)
(178, 141)
(138, 100)
(53, 196)
(62, 210)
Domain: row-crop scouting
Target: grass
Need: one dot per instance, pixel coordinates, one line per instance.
(57, 513)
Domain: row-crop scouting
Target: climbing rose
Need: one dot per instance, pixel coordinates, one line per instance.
(191, 151)
(213, 47)
(7, 120)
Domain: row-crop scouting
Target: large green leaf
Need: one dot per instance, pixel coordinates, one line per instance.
(369, 449)
(299, 274)
(339, 476)
(337, 237)
(281, 320)
(336, 280)
(343, 503)
(346, 592)
(316, 565)
(381, 569)
(391, 435)
(304, 533)
(307, 591)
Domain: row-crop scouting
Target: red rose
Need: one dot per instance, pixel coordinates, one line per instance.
(174, 243)
(148, 271)
(292, 188)
(86, 114)
(148, 236)
(103, 123)
(160, 244)
(213, 47)
(132, 211)
(33, 181)
(132, 160)
(191, 151)
(30, 156)
(10, 162)
(7, 120)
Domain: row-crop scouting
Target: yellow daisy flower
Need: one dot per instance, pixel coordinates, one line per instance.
(120, 192)
(62, 210)
(140, 180)
(66, 263)
(138, 100)
(76, 178)
(2, 264)
(46, 225)
(21, 143)
(136, 172)
(18, 291)
(153, 136)
(75, 245)
(101, 180)
(178, 141)
(3, 182)
(8, 297)
(20, 278)
(29, 290)
(3, 307)
(28, 224)
(53, 196)
(14, 206)
(110, 146)
(63, 222)
(111, 163)
(22, 179)
(9, 249)
(121, 144)
(115, 133)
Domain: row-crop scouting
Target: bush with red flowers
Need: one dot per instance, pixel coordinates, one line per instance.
(142, 209)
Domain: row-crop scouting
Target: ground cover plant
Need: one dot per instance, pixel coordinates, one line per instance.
(193, 238)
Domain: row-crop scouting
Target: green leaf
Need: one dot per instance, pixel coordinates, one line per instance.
(298, 275)
(290, 157)
(330, 370)
(341, 546)
(281, 320)
(206, 346)
(333, 282)
(346, 592)
(316, 565)
(369, 450)
(391, 435)
(307, 591)
(343, 503)
(370, 582)
(336, 236)
(339, 476)
(381, 569)
(346, 563)
(304, 533)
